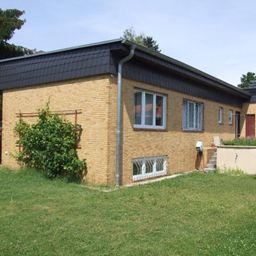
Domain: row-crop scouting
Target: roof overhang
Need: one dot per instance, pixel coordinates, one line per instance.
(187, 71)
(147, 56)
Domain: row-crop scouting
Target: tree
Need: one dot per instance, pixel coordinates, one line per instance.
(9, 22)
(247, 80)
(146, 41)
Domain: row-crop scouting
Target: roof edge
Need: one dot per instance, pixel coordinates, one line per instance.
(155, 54)
(63, 50)
(185, 66)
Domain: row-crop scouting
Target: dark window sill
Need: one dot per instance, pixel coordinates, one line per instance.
(187, 130)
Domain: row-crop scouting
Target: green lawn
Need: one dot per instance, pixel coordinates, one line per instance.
(195, 214)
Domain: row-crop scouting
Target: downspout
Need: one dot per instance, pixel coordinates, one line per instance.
(119, 115)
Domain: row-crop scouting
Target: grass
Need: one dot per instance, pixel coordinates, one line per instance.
(231, 172)
(196, 214)
(240, 142)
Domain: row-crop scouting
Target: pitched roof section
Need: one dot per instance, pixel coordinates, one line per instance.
(102, 58)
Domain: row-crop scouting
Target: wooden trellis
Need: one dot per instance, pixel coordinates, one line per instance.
(74, 112)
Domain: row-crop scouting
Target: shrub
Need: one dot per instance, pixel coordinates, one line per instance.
(241, 142)
(50, 145)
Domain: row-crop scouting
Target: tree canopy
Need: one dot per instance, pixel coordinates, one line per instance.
(146, 41)
(247, 80)
(9, 22)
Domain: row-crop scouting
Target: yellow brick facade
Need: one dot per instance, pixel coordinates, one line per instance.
(178, 145)
(248, 109)
(96, 97)
(90, 95)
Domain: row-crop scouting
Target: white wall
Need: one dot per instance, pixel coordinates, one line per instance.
(237, 157)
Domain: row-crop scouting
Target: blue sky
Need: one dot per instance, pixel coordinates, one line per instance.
(215, 36)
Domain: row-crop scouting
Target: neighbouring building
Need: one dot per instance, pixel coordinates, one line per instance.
(166, 107)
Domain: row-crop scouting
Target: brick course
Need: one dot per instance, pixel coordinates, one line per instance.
(96, 96)
(89, 95)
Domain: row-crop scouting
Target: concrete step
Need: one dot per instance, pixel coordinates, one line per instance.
(209, 170)
(211, 166)
(212, 161)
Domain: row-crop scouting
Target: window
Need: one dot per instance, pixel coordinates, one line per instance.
(220, 115)
(149, 110)
(192, 116)
(230, 117)
(149, 167)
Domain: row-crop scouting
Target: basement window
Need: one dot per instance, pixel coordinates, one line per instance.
(149, 110)
(192, 116)
(149, 167)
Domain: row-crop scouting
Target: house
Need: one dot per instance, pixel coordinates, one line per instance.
(141, 112)
(249, 110)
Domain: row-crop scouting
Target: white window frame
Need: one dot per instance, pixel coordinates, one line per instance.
(220, 115)
(230, 117)
(155, 173)
(197, 126)
(143, 111)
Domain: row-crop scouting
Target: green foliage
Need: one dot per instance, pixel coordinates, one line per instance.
(9, 22)
(10, 50)
(247, 80)
(231, 172)
(146, 41)
(241, 142)
(50, 145)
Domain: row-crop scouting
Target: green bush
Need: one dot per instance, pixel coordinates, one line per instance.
(50, 145)
(241, 142)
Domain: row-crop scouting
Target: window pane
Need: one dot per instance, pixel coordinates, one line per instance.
(149, 166)
(148, 109)
(220, 115)
(200, 118)
(197, 115)
(137, 107)
(159, 164)
(184, 117)
(230, 117)
(159, 110)
(137, 168)
(191, 115)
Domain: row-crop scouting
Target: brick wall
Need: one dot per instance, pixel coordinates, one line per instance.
(179, 146)
(96, 97)
(90, 95)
